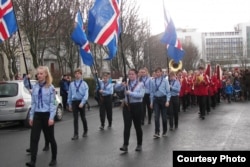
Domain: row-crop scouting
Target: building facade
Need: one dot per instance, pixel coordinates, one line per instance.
(229, 49)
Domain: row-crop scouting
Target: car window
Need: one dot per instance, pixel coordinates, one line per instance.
(8, 89)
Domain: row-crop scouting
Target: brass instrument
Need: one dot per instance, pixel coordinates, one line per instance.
(199, 79)
(175, 66)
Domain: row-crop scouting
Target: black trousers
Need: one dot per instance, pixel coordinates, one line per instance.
(106, 109)
(146, 107)
(208, 103)
(202, 105)
(76, 110)
(173, 111)
(218, 94)
(193, 99)
(185, 101)
(64, 100)
(45, 139)
(160, 110)
(133, 114)
(213, 100)
(40, 122)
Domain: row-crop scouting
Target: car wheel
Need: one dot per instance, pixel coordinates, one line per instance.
(25, 122)
(59, 113)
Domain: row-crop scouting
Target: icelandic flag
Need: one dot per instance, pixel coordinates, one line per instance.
(169, 38)
(103, 24)
(8, 24)
(79, 37)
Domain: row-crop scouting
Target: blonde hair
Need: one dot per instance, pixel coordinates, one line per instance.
(145, 69)
(48, 77)
(172, 73)
(78, 70)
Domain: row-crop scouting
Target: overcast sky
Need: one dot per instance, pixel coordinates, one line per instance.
(205, 15)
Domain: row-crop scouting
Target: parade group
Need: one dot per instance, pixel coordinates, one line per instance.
(161, 95)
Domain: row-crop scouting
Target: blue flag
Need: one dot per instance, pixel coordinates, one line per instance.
(8, 24)
(103, 24)
(79, 37)
(169, 38)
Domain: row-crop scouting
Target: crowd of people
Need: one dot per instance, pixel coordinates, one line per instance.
(160, 95)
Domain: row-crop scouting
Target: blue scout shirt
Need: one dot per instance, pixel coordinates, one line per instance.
(175, 87)
(107, 88)
(136, 89)
(78, 90)
(160, 87)
(147, 83)
(43, 100)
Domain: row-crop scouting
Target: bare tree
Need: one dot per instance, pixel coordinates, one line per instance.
(156, 52)
(191, 55)
(3, 75)
(40, 20)
(10, 49)
(132, 38)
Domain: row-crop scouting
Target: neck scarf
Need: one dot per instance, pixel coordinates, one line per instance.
(40, 94)
(77, 86)
(158, 86)
(132, 85)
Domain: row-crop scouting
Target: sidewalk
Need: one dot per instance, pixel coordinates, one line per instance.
(92, 102)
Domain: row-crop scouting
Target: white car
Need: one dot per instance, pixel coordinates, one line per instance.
(15, 102)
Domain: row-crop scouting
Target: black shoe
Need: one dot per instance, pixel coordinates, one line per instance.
(75, 137)
(124, 148)
(30, 164)
(28, 150)
(171, 129)
(138, 148)
(52, 163)
(46, 148)
(85, 134)
(149, 122)
(202, 117)
(101, 127)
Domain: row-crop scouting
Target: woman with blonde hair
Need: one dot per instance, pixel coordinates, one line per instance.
(42, 113)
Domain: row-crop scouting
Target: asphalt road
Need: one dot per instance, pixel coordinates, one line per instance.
(225, 128)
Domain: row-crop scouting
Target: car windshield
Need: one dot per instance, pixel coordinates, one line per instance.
(8, 89)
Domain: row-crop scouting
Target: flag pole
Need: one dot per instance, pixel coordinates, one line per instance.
(167, 63)
(20, 40)
(123, 59)
(94, 68)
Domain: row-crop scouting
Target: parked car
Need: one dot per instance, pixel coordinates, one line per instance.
(15, 102)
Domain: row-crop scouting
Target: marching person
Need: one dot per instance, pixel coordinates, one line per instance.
(132, 108)
(159, 101)
(184, 92)
(46, 147)
(174, 106)
(146, 80)
(64, 89)
(42, 113)
(77, 98)
(201, 86)
(106, 91)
